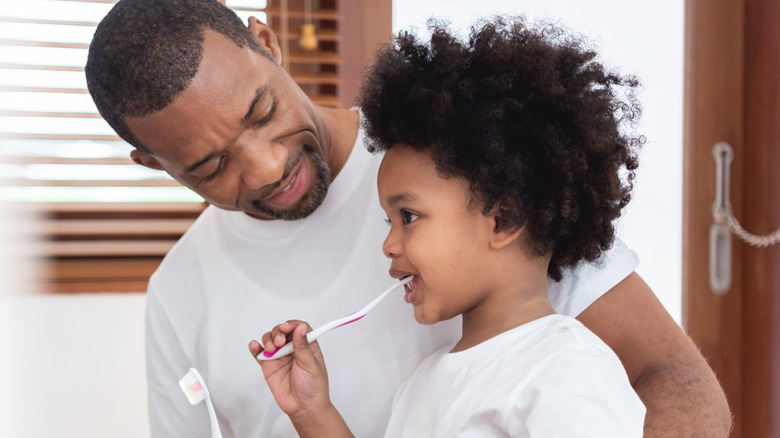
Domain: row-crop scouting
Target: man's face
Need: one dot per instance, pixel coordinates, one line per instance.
(242, 135)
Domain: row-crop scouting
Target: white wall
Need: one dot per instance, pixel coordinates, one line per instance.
(72, 366)
(640, 38)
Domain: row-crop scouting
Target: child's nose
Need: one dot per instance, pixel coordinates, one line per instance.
(391, 246)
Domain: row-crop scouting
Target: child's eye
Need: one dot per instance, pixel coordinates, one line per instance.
(408, 216)
(388, 221)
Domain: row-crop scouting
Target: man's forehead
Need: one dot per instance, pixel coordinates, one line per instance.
(221, 95)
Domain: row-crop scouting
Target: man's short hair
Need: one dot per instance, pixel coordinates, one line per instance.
(145, 53)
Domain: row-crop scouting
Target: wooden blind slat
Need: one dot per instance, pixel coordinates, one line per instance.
(8, 113)
(329, 58)
(40, 67)
(64, 160)
(103, 248)
(70, 137)
(69, 269)
(316, 14)
(321, 78)
(89, 183)
(104, 227)
(322, 35)
(54, 44)
(42, 90)
(86, 208)
(4, 19)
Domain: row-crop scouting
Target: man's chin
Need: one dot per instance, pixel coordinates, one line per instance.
(268, 214)
(303, 209)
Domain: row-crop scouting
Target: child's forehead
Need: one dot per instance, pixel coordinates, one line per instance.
(402, 159)
(410, 175)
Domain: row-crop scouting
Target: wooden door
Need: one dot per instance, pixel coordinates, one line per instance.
(732, 94)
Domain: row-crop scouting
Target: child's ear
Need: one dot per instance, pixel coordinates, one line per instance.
(503, 236)
(504, 231)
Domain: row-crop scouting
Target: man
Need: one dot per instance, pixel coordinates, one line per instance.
(295, 231)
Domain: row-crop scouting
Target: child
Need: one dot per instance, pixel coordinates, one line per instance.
(506, 161)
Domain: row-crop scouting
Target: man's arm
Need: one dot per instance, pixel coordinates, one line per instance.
(680, 391)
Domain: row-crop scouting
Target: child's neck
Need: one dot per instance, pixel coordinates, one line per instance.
(505, 309)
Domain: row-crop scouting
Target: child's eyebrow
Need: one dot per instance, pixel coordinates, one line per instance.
(408, 197)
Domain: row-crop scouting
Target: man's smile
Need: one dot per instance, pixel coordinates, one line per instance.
(295, 188)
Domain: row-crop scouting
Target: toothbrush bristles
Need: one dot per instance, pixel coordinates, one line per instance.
(192, 388)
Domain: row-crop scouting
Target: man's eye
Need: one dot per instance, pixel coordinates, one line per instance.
(217, 171)
(267, 118)
(408, 217)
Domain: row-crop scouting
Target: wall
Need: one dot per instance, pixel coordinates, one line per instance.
(72, 366)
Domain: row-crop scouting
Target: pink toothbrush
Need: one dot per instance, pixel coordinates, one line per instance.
(319, 331)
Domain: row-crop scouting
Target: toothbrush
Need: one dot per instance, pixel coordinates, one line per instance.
(321, 330)
(195, 389)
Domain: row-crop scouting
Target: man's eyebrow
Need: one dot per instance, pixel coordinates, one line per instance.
(408, 197)
(259, 93)
(199, 163)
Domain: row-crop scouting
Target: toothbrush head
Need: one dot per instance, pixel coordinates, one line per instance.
(193, 386)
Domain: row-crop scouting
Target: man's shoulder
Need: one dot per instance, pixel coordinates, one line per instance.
(183, 256)
(582, 286)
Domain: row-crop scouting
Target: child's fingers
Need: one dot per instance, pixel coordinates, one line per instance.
(302, 349)
(255, 348)
(280, 335)
(267, 342)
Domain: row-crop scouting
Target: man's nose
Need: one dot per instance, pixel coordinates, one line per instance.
(262, 163)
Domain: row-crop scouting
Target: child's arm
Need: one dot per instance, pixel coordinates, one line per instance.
(299, 382)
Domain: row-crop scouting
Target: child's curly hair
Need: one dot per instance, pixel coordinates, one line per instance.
(527, 116)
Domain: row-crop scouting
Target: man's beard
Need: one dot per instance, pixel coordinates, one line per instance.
(311, 200)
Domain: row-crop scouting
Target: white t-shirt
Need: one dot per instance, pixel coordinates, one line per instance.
(551, 377)
(231, 278)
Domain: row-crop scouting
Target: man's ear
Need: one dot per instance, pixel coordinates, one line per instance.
(267, 38)
(145, 160)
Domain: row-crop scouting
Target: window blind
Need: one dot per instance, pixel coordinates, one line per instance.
(92, 219)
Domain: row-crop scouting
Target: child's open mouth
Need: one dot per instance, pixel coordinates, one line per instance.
(411, 289)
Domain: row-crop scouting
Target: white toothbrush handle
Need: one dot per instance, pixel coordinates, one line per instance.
(206, 396)
(215, 432)
(321, 330)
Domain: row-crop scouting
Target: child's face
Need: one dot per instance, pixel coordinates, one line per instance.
(435, 235)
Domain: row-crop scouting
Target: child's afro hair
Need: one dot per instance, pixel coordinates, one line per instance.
(539, 128)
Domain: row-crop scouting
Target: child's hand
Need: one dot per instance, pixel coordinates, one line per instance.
(299, 381)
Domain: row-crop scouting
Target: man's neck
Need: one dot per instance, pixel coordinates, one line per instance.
(341, 128)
